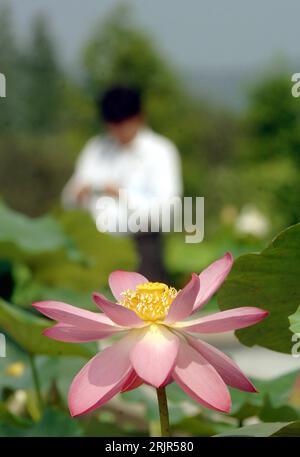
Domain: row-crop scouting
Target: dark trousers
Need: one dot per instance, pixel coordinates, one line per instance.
(150, 250)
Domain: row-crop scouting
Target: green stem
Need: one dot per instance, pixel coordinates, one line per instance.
(36, 381)
(163, 411)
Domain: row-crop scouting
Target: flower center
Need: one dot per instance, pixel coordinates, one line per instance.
(150, 301)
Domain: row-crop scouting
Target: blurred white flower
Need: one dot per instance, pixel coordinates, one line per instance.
(17, 402)
(251, 221)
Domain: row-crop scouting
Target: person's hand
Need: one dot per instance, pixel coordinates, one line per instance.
(82, 194)
(111, 190)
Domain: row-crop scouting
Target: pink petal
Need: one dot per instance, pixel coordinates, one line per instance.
(118, 313)
(227, 368)
(198, 379)
(68, 314)
(101, 378)
(132, 382)
(120, 280)
(154, 354)
(73, 334)
(169, 380)
(182, 306)
(211, 279)
(225, 321)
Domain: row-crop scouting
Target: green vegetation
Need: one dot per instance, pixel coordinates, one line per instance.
(228, 158)
(231, 159)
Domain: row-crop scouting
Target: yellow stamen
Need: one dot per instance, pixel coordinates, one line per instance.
(150, 301)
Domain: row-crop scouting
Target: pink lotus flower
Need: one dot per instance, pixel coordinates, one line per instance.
(157, 346)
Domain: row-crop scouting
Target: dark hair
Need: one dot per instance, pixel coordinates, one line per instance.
(119, 103)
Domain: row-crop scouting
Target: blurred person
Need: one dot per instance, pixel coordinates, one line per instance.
(129, 156)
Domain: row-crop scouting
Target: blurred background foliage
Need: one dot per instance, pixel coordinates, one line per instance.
(231, 158)
(245, 164)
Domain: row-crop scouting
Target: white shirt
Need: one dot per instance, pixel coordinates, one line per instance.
(148, 168)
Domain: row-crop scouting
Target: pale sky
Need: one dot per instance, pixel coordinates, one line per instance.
(212, 34)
